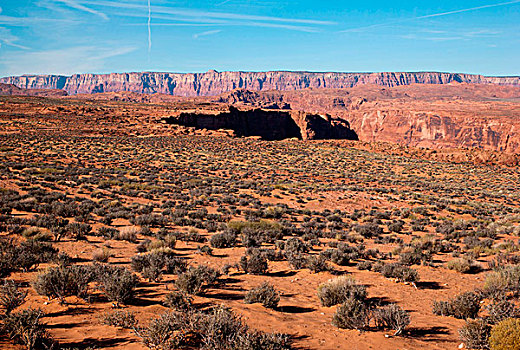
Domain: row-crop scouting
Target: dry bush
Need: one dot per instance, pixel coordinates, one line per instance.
(264, 294)
(352, 314)
(391, 317)
(11, 296)
(340, 289)
(463, 306)
(475, 334)
(119, 318)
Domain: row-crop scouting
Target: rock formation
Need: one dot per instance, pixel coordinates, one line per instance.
(12, 90)
(434, 116)
(214, 83)
(269, 125)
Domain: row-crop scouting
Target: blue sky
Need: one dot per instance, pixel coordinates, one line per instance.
(100, 36)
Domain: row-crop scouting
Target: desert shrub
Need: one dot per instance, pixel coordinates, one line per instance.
(463, 265)
(119, 318)
(101, 255)
(504, 279)
(11, 296)
(391, 317)
(400, 272)
(152, 265)
(297, 261)
(36, 234)
(220, 329)
(26, 328)
(475, 334)
(175, 265)
(364, 265)
(195, 279)
(463, 306)
(63, 281)
(254, 263)
(295, 246)
(107, 232)
(340, 289)
(317, 264)
(29, 254)
(223, 240)
(253, 340)
(412, 256)
(169, 331)
(369, 230)
(78, 230)
(500, 310)
(205, 249)
(505, 335)
(352, 314)
(127, 233)
(117, 283)
(178, 301)
(264, 294)
(396, 226)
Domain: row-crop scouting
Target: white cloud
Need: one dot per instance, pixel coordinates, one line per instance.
(62, 61)
(7, 38)
(80, 7)
(203, 15)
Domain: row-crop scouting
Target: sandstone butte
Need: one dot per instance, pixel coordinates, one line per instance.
(214, 83)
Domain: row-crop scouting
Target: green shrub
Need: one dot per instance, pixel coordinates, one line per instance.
(340, 289)
(505, 335)
(265, 294)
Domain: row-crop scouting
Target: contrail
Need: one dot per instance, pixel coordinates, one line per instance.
(149, 28)
(432, 15)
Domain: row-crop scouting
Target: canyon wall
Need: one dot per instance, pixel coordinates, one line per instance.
(269, 125)
(214, 83)
(442, 116)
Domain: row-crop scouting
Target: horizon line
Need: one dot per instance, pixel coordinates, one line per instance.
(262, 71)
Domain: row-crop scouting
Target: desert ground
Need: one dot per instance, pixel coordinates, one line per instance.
(119, 231)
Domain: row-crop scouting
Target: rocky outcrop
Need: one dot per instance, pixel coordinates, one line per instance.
(433, 116)
(214, 83)
(12, 90)
(269, 125)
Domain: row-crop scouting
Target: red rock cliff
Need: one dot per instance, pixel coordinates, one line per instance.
(214, 83)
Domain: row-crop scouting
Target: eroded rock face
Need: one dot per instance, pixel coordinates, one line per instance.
(433, 116)
(214, 83)
(269, 125)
